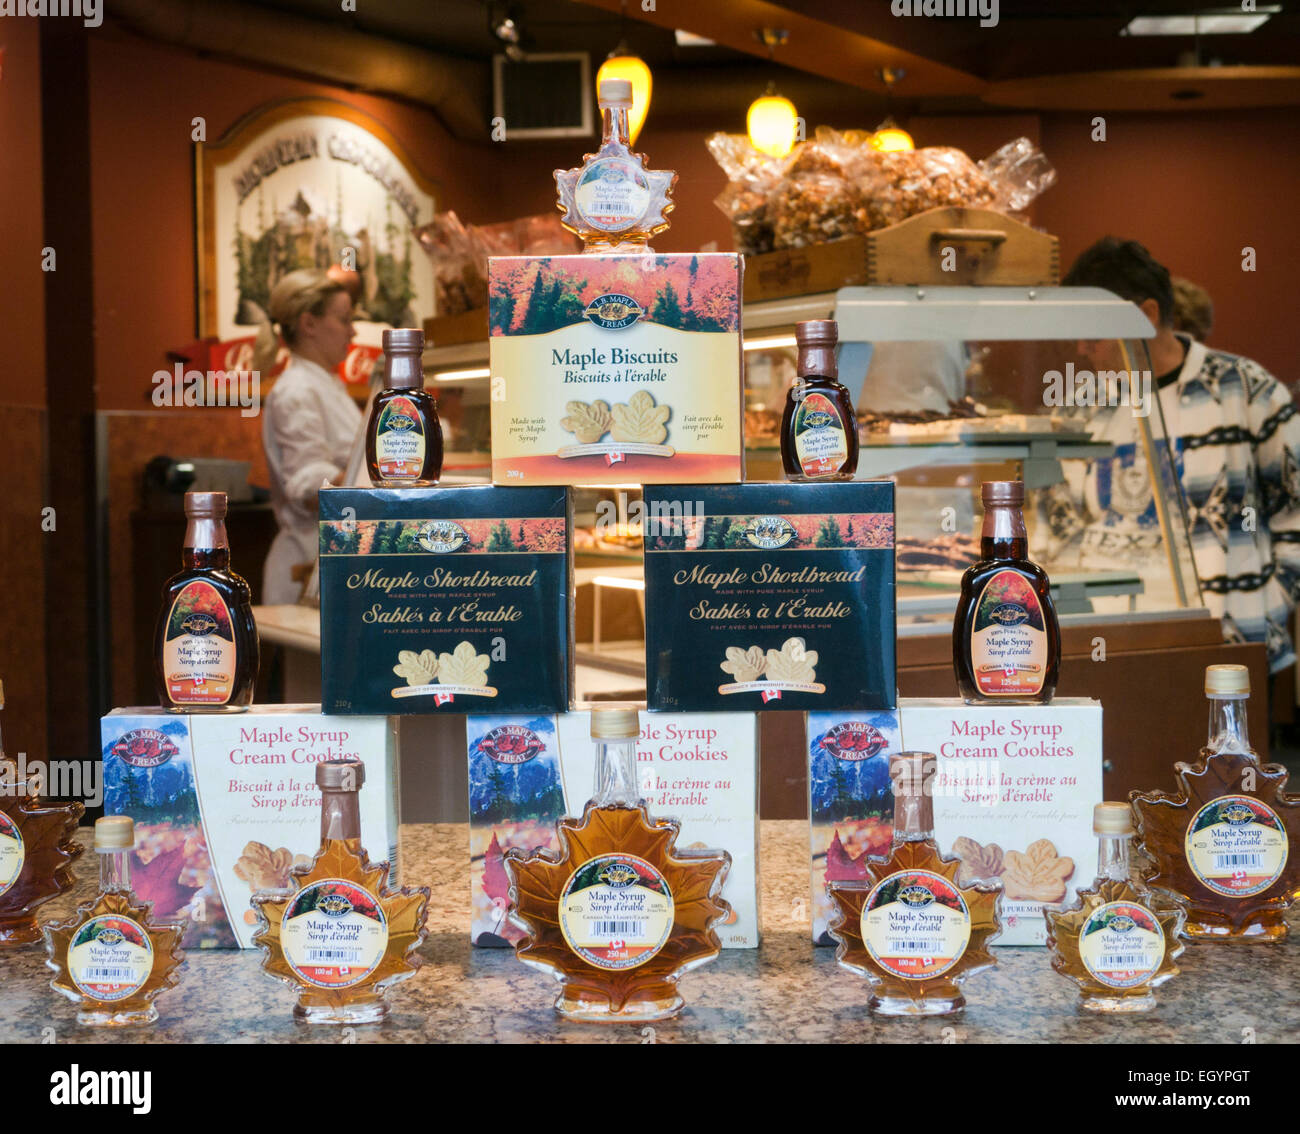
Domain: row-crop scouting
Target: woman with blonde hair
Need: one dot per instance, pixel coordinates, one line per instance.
(308, 419)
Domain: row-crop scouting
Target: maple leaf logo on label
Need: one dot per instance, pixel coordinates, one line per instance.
(442, 536)
(770, 532)
(144, 748)
(614, 311)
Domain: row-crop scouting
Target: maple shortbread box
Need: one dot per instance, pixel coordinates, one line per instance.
(769, 596)
(850, 804)
(226, 804)
(616, 369)
(527, 773)
(445, 600)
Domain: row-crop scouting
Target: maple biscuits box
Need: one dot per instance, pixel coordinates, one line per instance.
(769, 596)
(226, 803)
(616, 369)
(445, 600)
(527, 773)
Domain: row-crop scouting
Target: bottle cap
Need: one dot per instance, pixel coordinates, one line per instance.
(1230, 680)
(205, 505)
(403, 340)
(615, 92)
(615, 722)
(1112, 819)
(114, 832)
(1002, 493)
(340, 775)
(817, 333)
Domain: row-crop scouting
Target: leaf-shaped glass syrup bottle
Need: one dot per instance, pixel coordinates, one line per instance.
(111, 957)
(1226, 845)
(909, 928)
(620, 913)
(37, 849)
(1112, 942)
(343, 936)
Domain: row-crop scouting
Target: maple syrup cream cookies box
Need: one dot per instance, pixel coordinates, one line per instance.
(527, 773)
(616, 369)
(850, 804)
(1013, 797)
(769, 596)
(445, 600)
(226, 804)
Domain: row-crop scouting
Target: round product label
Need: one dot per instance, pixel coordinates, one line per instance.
(334, 933)
(110, 958)
(612, 194)
(399, 441)
(616, 911)
(1121, 944)
(1237, 846)
(199, 647)
(12, 852)
(915, 924)
(820, 442)
(1009, 638)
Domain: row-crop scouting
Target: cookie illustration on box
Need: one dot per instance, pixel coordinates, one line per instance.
(638, 427)
(782, 594)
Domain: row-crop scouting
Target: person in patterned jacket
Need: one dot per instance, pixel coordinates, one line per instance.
(1235, 436)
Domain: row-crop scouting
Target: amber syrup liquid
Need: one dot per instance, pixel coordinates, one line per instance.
(427, 409)
(838, 395)
(47, 831)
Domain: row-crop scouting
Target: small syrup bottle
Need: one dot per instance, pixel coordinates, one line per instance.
(619, 914)
(819, 431)
(909, 928)
(1226, 844)
(1006, 641)
(403, 434)
(111, 958)
(205, 646)
(1112, 942)
(343, 936)
(613, 202)
(37, 848)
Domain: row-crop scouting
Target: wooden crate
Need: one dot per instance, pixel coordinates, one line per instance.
(961, 247)
(806, 271)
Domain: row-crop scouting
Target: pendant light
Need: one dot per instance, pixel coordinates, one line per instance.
(622, 64)
(772, 122)
(890, 138)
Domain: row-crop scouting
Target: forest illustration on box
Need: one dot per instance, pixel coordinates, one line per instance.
(537, 295)
(543, 535)
(710, 533)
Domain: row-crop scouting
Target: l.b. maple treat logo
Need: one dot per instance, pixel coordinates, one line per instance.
(110, 937)
(334, 905)
(1122, 923)
(918, 897)
(1237, 814)
(818, 419)
(144, 748)
(619, 875)
(854, 740)
(769, 532)
(614, 311)
(1009, 614)
(400, 420)
(199, 624)
(442, 536)
(511, 744)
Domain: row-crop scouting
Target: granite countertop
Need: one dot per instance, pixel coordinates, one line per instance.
(786, 991)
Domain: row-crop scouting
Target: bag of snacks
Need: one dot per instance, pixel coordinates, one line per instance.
(1019, 172)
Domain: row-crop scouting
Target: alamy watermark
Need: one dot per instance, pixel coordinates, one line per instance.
(89, 12)
(986, 10)
(1086, 388)
(652, 517)
(57, 779)
(181, 387)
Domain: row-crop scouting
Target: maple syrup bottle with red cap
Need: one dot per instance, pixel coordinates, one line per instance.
(205, 646)
(1006, 641)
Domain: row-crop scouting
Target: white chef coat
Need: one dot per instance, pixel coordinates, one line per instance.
(309, 421)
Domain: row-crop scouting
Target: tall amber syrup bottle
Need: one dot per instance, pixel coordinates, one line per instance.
(1006, 641)
(620, 913)
(1113, 942)
(205, 645)
(342, 937)
(1225, 844)
(819, 431)
(111, 958)
(37, 849)
(403, 434)
(909, 928)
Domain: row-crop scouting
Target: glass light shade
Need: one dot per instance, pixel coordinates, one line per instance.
(891, 139)
(772, 124)
(635, 71)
